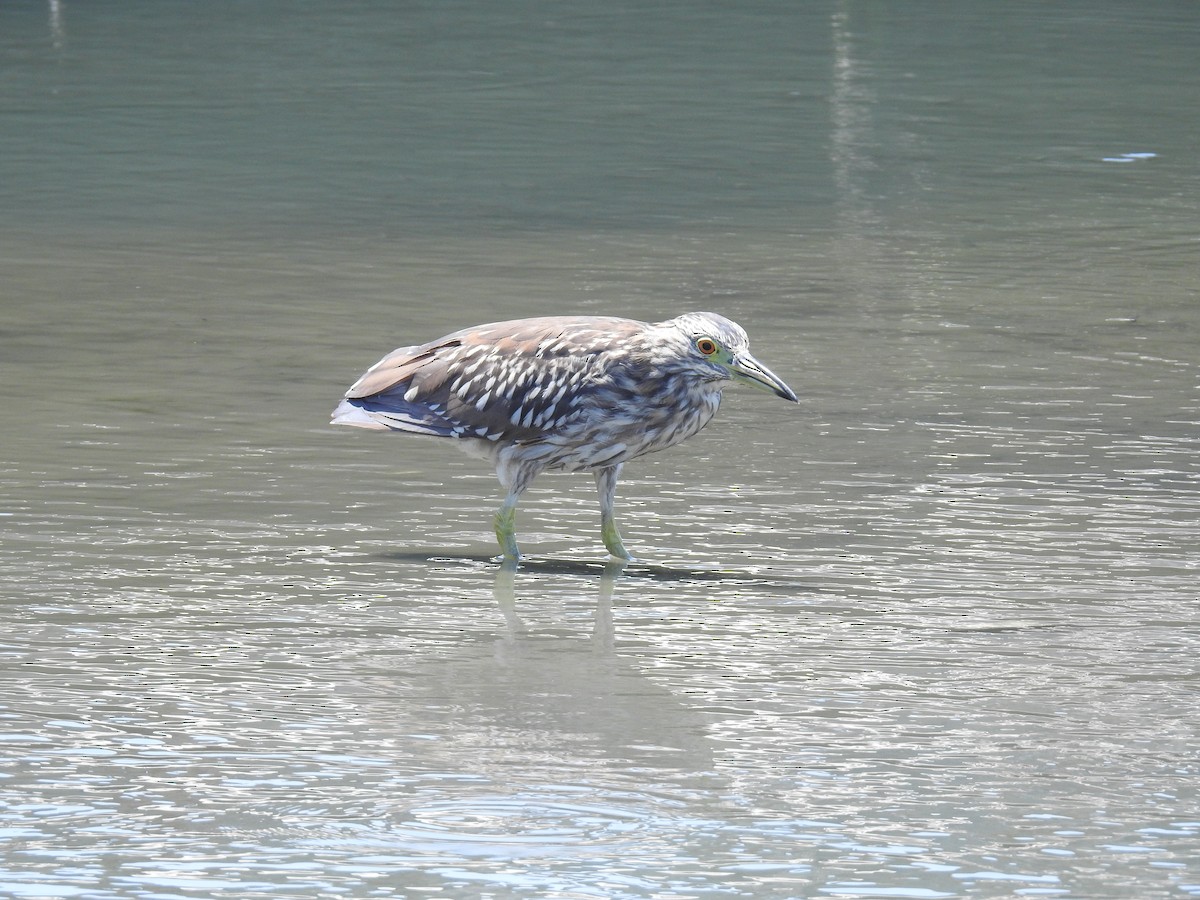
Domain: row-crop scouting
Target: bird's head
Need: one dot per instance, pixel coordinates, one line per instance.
(716, 349)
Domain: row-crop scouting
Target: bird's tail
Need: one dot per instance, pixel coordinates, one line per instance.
(347, 413)
(371, 412)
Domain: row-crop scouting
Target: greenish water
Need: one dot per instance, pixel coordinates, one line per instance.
(932, 633)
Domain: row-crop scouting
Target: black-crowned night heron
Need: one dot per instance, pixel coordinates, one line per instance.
(561, 393)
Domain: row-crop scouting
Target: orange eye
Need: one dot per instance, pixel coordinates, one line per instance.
(707, 346)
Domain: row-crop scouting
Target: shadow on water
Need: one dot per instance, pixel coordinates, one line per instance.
(613, 568)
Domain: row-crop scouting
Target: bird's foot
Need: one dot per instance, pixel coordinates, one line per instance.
(506, 534)
(508, 563)
(613, 542)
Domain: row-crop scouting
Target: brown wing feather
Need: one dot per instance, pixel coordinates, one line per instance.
(398, 366)
(507, 381)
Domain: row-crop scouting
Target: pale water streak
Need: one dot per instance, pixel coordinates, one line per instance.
(931, 634)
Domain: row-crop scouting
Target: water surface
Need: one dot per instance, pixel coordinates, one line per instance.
(932, 633)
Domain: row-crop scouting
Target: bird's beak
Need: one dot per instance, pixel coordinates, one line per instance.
(748, 370)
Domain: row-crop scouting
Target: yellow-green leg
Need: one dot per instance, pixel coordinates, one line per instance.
(606, 485)
(506, 527)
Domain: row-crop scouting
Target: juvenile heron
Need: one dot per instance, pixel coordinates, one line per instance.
(560, 393)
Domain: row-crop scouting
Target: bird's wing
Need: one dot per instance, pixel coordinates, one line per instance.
(511, 381)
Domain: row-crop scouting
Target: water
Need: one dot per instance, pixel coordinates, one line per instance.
(930, 634)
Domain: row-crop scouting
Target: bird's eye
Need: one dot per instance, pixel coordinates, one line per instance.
(707, 346)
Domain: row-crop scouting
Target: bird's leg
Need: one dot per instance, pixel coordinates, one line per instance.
(606, 485)
(506, 527)
(514, 478)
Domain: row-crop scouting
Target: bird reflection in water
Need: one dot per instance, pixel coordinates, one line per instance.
(504, 591)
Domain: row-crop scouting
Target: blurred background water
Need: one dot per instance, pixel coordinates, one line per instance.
(931, 634)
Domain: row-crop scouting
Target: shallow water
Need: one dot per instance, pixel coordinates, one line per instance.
(931, 633)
